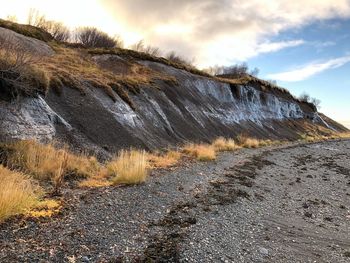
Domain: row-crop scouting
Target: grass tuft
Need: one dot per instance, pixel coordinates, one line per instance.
(248, 142)
(169, 159)
(128, 167)
(48, 163)
(223, 144)
(18, 193)
(202, 152)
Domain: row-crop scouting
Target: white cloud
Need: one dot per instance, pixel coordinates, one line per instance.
(275, 46)
(222, 31)
(212, 31)
(309, 70)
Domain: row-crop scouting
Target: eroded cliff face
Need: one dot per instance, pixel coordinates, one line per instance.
(197, 108)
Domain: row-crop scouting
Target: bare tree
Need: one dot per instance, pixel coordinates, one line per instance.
(91, 37)
(58, 30)
(15, 64)
(35, 18)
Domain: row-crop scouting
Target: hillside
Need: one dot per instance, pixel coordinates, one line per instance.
(104, 100)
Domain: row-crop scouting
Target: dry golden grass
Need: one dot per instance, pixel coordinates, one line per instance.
(223, 144)
(128, 167)
(247, 142)
(45, 208)
(202, 152)
(74, 68)
(316, 137)
(18, 193)
(48, 163)
(169, 159)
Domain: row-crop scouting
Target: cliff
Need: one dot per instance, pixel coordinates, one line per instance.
(175, 106)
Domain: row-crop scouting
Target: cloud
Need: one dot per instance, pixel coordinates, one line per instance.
(212, 31)
(221, 31)
(309, 70)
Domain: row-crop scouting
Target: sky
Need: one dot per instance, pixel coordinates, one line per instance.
(302, 44)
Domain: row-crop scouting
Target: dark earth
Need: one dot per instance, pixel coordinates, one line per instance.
(286, 203)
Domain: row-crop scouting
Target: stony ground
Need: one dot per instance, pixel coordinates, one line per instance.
(279, 204)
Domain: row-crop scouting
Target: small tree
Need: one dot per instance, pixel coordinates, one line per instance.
(91, 37)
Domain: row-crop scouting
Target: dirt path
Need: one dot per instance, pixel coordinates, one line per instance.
(282, 204)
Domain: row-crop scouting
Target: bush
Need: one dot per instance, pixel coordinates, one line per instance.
(129, 167)
(57, 30)
(18, 193)
(18, 72)
(173, 57)
(304, 97)
(91, 37)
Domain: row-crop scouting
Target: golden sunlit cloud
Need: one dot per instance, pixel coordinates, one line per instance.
(212, 31)
(73, 13)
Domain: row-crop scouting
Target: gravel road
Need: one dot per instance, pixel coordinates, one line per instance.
(277, 204)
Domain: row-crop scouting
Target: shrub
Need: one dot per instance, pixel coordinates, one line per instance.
(304, 97)
(18, 72)
(129, 167)
(91, 37)
(58, 30)
(222, 144)
(18, 193)
(202, 152)
(173, 57)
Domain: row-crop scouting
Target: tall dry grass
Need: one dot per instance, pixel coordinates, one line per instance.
(48, 162)
(223, 144)
(128, 167)
(18, 193)
(169, 159)
(202, 152)
(247, 142)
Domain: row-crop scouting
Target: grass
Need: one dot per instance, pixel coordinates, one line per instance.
(247, 142)
(222, 144)
(169, 159)
(46, 162)
(128, 167)
(27, 30)
(74, 68)
(316, 137)
(18, 193)
(202, 152)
